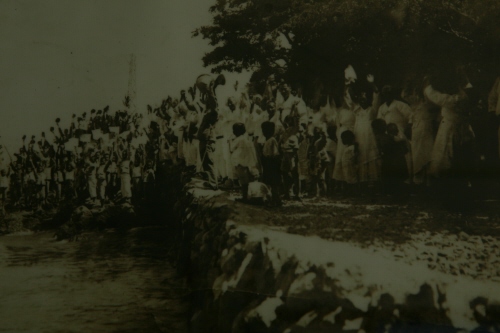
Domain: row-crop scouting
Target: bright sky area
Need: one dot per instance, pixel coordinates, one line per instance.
(61, 57)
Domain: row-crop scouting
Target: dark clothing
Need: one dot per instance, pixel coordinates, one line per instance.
(394, 168)
(271, 170)
(393, 160)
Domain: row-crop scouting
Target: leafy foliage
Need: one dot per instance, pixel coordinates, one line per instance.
(311, 41)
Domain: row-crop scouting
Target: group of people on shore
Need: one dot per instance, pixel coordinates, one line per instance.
(98, 158)
(376, 141)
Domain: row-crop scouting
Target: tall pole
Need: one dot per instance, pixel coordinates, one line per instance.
(132, 94)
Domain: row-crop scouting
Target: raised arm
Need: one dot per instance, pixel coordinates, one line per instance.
(406, 112)
(374, 113)
(438, 98)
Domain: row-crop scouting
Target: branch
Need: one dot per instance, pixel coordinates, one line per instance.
(456, 33)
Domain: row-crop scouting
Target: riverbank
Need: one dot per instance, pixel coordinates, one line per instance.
(82, 268)
(316, 265)
(320, 265)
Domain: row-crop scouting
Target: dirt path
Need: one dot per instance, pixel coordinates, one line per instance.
(109, 282)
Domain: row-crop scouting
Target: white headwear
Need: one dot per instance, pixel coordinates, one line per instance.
(350, 75)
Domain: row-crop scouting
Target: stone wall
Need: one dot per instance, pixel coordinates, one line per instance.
(246, 276)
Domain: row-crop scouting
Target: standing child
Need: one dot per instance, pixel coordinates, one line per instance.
(383, 140)
(395, 168)
(139, 160)
(91, 173)
(125, 175)
(271, 163)
(101, 178)
(148, 179)
(244, 158)
(349, 161)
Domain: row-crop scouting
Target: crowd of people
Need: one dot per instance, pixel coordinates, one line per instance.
(100, 157)
(384, 141)
(375, 141)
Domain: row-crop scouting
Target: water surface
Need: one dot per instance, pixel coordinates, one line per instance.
(104, 282)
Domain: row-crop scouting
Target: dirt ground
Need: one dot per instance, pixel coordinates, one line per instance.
(413, 229)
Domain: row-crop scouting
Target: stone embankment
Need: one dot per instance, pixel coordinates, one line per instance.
(248, 276)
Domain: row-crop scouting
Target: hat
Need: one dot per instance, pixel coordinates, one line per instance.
(350, 74)
(257, 98)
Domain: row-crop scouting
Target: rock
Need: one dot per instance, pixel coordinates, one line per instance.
(13, 223)
(82, 215)
(303, 283)
(231, 262)
(463, 235)
(306, 319)
(128, 208)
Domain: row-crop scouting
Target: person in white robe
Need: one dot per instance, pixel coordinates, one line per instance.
(422, 134)
(244, 158)
(346, 120)
(452, 130)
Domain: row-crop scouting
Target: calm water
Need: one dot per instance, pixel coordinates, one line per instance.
(104, 282)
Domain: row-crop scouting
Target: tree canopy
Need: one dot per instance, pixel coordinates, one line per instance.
(312, 41)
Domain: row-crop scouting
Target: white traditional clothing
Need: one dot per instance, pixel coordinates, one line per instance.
(443, 150)
(223, 131)
(69, 175)
(137, 171)
(348, 161)
(287, 106)
(277, 123)
(346, 120)
(48, 173)
(126, 186)
(302, 158)
(301, 107)
(4, 180)
(279, 99)
(179, 128)
(254, 123)
(329, 113)
(191, 152)
(397, 112)
(243, 153)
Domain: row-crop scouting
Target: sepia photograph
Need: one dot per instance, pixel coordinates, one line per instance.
(250, 166)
